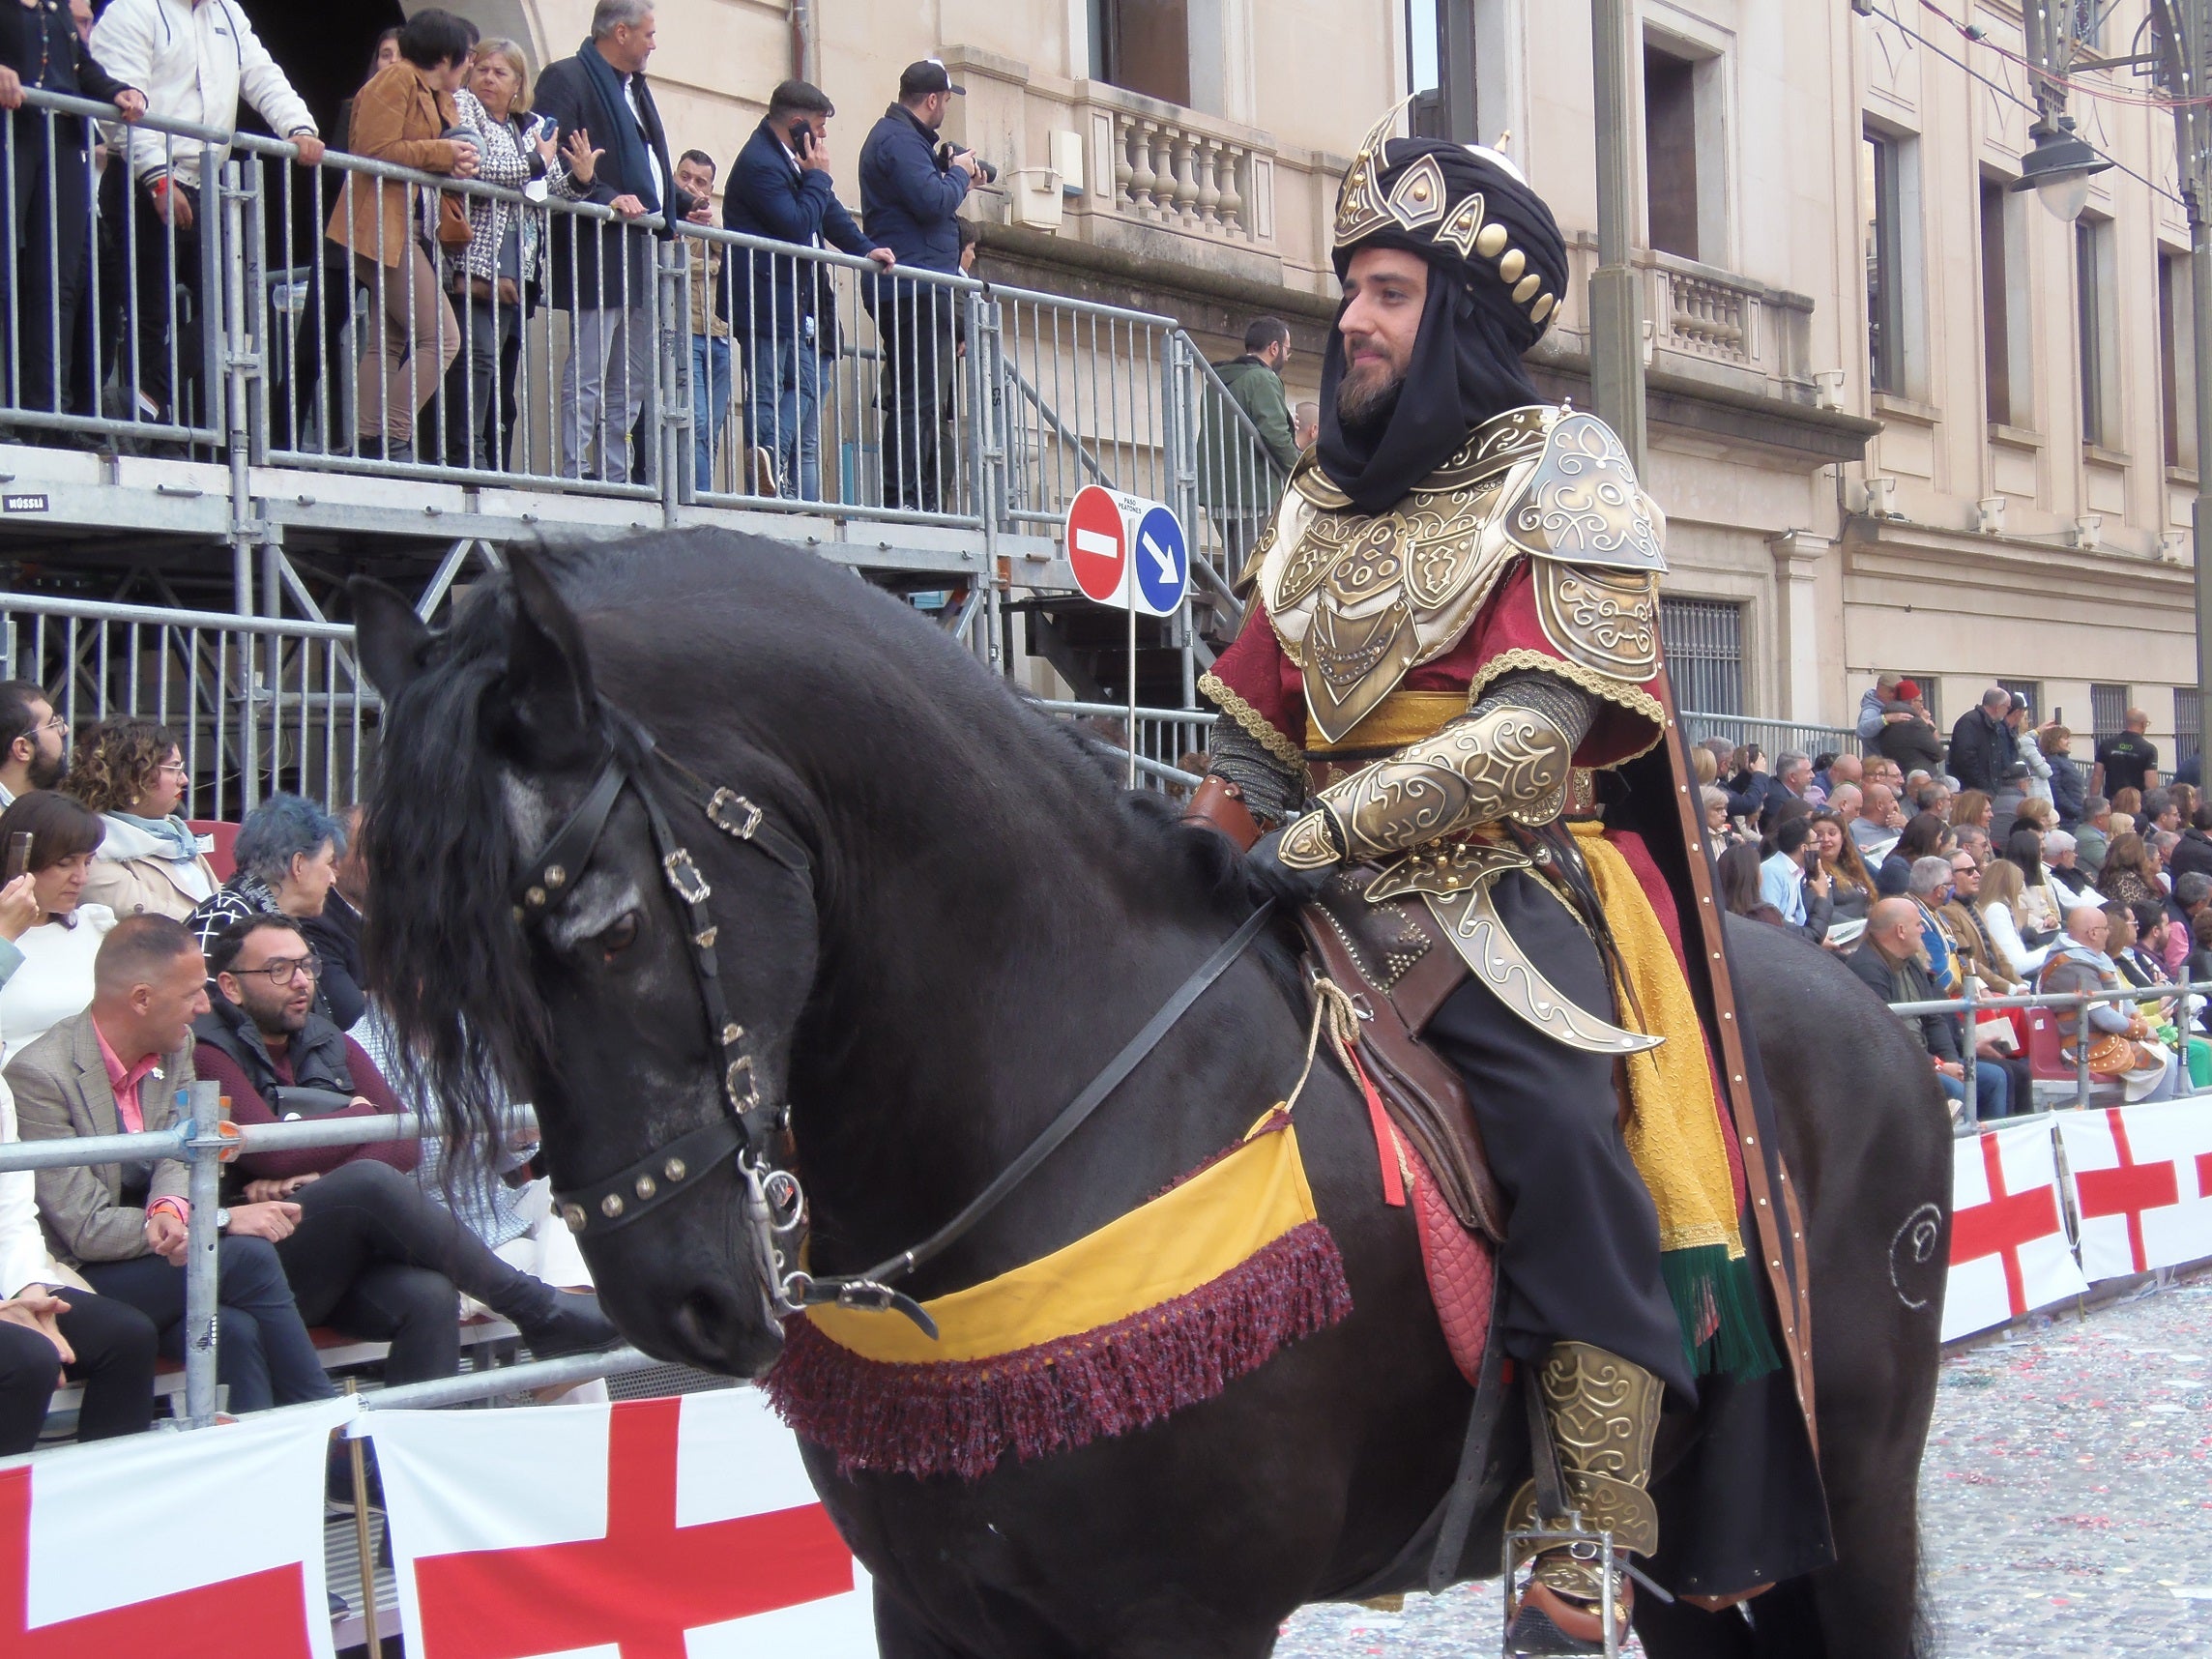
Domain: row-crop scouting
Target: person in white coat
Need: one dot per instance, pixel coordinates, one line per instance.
(195, 59)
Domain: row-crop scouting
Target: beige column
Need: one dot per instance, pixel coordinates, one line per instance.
(1798, 556)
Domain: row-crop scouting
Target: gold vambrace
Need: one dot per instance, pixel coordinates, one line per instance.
(1505, 762)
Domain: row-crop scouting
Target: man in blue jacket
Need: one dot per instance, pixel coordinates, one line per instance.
(782, 309)
(910, 200)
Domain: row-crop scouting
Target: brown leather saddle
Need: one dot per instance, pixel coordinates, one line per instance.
(1398, 970)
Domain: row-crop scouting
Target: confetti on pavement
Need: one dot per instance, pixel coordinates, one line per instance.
(2067, 1496)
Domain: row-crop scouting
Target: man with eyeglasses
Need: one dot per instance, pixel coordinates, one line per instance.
(371, 1253)
(38, 753)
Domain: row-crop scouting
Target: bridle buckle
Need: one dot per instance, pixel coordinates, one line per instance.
(685, 878)
(734, 814)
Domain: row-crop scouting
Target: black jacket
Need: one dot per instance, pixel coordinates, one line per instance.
(2192, 854)
(1912, 745)
(335, 935)
(317, 1050)
(1981, 749)
(568, 93)
(41, 45)
(1909, 982)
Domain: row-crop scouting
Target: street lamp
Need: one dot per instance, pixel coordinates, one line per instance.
(2060, 167)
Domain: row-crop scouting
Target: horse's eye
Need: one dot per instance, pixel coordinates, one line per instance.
(620, 937)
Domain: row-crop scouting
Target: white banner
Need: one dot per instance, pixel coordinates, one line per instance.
(2143, 1185)
(677, 1526)
(2009, 1250)
(205, 1545)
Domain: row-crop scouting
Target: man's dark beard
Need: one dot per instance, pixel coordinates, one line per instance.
(1362, 404)
(44, 774)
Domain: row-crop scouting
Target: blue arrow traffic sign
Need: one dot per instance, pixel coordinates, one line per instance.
(1162, 561)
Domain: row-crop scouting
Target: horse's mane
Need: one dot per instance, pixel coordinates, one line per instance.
(446, 955)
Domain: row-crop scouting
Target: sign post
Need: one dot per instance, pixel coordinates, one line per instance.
(1130, 552)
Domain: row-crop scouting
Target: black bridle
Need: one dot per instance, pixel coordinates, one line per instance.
(751, 1127)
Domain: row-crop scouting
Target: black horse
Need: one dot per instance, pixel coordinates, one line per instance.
(985, 921)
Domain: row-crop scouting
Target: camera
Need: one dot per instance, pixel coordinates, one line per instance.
(947, 151)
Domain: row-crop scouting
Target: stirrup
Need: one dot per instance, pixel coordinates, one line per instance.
(1576, 1597)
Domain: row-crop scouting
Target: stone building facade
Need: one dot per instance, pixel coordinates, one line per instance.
(1900, 417)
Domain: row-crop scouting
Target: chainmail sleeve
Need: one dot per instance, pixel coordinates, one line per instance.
(1272, 793)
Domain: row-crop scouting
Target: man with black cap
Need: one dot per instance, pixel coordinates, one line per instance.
(1454, 639)
(910, 192)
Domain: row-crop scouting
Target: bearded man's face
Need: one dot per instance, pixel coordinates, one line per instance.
(1385, 289)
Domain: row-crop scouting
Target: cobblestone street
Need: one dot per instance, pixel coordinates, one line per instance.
(2066, 1502)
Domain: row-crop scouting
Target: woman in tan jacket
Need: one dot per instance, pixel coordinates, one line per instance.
(400, 117)
(149, 862)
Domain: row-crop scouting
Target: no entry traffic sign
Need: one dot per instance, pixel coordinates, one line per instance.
(1098, 544)
(1112, 536)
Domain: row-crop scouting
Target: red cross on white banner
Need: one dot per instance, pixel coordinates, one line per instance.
(2009, 1251)
(205, 1545)
(650, 1527)
(2141, 1176)
(2127, 1189)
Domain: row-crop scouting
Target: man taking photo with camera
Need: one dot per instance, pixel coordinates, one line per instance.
(911, 194)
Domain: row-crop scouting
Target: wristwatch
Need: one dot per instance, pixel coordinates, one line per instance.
(223, 1221)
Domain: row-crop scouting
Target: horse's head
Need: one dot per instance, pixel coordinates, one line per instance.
(537, 933)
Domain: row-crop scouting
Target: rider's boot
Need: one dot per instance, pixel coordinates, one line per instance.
(1603, 1412)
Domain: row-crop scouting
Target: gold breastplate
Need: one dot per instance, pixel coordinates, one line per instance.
(1359, 600)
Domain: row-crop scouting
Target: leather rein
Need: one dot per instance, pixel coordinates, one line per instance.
(750, 1127)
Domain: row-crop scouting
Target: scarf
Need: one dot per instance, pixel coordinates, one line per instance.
(621, 131)
(179, 845)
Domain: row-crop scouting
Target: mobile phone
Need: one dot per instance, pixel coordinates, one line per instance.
(18, 856)
(802, 140)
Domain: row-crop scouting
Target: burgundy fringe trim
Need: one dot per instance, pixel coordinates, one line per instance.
(961, 1416)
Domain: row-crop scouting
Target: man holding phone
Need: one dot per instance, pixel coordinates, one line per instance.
(782, 309)
(38, 753)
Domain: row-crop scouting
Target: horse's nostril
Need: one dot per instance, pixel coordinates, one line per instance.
(703, 1323)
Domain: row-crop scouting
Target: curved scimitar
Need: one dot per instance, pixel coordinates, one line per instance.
(1477, 932)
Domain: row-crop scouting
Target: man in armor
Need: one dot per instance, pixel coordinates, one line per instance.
(1456, 618)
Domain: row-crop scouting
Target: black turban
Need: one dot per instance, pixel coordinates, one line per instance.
(1467, 362)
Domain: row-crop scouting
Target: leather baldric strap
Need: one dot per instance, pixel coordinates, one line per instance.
(1781, 1230)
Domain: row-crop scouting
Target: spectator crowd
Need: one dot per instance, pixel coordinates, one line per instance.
(1993, 858)
(106, 263)
(129, 969)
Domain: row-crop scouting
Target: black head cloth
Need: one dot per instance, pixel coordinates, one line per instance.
(1497, 267)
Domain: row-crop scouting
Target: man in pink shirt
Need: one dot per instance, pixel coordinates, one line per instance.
(118, 1069)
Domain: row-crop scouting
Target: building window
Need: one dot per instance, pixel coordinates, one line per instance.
(2030, 689)
(2005, 374)
(1889, 188)
(1670, 152)
(2186, 736)
(2108, 711)
(1703, 639)
(2176, 359)
(2096, 293)
(1143, 46)
(1441, 55)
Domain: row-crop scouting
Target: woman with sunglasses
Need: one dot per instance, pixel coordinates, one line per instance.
(47, 945)
(133, 774)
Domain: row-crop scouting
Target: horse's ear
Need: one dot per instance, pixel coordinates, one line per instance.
(549, 700)
(392, 642)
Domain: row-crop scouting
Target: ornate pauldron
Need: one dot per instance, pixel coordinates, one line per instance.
(1357, 599)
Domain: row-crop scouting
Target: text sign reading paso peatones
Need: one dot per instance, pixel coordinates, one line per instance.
(1125, 549)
